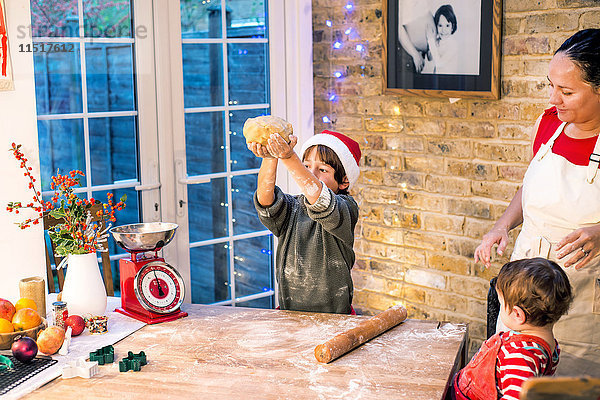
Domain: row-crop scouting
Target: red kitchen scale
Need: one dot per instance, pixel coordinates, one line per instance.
(152, 291)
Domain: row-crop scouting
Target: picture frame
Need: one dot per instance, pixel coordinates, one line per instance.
(442, 48)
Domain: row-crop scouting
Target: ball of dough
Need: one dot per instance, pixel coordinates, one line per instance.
(260, 128)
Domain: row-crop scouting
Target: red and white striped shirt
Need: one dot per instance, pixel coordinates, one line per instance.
(520, 360)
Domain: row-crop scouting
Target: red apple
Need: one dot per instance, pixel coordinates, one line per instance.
(24, 349)
(7, 310)
(76, 323)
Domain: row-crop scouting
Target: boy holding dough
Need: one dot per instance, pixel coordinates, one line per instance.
(316, 228)
(534, 293)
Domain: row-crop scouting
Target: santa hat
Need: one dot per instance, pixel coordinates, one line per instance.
(347, 150)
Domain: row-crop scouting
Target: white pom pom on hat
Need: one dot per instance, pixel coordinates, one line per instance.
(347, 150)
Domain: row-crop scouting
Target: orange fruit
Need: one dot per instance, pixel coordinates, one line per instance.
(25, 303)
(6, 326)
(26, 318)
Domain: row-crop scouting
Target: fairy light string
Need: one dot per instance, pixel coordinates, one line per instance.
(339, 42)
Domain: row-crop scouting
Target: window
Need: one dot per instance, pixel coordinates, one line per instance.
(86, 99)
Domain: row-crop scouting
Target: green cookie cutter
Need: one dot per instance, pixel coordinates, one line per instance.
(104, 355)
(6, 363)
(133, 362)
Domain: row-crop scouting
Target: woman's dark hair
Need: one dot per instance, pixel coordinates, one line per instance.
(537, 285)
(329, 157)
(447, 11)
(583, 48)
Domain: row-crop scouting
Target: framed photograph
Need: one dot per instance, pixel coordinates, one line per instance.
(442, 48)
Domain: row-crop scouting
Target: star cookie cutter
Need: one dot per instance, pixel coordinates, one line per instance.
(104, 355)
(133, 362)
(81, 368)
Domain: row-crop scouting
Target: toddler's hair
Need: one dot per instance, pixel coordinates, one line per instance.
(537, 285)
(329, 157)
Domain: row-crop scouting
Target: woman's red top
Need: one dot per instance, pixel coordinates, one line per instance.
(576, 151)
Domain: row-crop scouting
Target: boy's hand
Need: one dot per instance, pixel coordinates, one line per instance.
(279, 148)
(259, 150)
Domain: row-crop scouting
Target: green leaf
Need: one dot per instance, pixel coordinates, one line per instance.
(57, 213)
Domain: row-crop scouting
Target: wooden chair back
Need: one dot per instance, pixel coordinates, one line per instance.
(106, 267)
(561, 388)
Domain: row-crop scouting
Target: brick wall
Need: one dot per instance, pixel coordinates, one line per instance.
(434, 175)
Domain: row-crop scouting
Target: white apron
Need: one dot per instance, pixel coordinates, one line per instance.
(559, 197)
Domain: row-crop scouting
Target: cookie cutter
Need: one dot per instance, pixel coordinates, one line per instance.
(81, 368)
(103, 355)
(133, 362)
(6, 363)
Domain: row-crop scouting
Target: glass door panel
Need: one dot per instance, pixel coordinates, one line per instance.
(244, 213)
(54, 18)
(110, 79)
(58, 80)
(104, 19)
(248, 73)
(201, 19)
(210, 273)
(202, 75)
(248, 18)
(113, 144)
(251, 276)
(205, 143)
(241, 158)
(61, 142)
(207, 210)
(225, 63)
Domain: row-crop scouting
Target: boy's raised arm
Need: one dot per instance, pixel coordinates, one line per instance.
(309, 184)
(265, 186)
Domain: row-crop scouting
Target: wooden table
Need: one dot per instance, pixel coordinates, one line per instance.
(239, 353)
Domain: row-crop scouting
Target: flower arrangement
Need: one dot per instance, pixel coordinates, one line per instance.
(78, 234)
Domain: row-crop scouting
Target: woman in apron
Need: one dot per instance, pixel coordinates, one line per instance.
(559, 201)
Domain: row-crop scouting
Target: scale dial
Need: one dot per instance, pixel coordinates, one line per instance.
(159, 287)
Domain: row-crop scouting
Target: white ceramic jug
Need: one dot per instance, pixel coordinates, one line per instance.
(84, 290)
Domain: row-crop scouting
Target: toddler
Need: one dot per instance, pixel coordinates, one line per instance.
(533, 293)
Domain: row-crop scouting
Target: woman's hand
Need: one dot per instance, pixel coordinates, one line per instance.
(497, 236)
(259, 150)
(587, 243)
(279, 148)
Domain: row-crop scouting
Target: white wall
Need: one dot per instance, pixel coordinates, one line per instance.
(21, 251)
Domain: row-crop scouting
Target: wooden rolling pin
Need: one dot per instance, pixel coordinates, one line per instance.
(367, 330)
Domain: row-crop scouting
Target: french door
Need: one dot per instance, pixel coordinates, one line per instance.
(221, 73)
(157, 110)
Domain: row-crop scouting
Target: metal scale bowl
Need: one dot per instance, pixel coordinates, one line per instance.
(152, 291)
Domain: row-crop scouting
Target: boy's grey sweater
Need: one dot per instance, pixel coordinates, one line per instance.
(314, 253)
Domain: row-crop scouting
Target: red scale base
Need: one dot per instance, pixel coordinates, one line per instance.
(130, 304)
